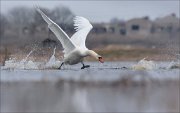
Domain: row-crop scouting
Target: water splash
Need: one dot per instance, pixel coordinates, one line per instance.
(144, 65)
(12, 63)
(25, 59)
(53, 63)
(174, 65)
(23, 64)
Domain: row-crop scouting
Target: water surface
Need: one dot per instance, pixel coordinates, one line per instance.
(108, 87)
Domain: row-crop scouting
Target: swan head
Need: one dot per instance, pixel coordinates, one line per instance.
(95, 55)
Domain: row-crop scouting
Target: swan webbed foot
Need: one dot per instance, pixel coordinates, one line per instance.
(59, 68)
(85, 66)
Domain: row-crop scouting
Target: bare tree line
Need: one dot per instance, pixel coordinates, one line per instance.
(23, 22)
(23, 26)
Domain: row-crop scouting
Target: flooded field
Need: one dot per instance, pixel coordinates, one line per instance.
(108, 87)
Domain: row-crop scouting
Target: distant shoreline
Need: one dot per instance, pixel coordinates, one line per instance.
(111, 53)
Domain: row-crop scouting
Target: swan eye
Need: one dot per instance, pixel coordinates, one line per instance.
(100, 57)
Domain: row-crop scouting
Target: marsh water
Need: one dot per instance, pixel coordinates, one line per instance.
(108, 87)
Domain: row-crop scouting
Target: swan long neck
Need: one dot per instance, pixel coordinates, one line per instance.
(93, 54)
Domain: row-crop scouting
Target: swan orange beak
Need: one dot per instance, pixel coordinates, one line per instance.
(101, 60)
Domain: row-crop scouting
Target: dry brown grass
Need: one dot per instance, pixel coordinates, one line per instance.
(110, 53)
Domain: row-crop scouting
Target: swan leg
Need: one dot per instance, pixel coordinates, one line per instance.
(61, 65)
(84, 66)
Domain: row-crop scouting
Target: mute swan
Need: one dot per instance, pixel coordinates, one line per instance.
(74, 48)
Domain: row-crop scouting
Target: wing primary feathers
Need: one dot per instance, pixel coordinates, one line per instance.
(80, 23)
(59, 33)
(82, 27)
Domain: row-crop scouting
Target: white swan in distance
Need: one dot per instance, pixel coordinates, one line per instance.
(74, 48)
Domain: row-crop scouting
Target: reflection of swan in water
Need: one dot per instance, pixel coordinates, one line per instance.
(80, 100)
(73, 99)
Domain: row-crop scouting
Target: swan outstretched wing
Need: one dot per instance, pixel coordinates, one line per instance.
(82, 27)
(60, 34)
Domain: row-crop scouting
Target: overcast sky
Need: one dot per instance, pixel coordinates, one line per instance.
(103, 11)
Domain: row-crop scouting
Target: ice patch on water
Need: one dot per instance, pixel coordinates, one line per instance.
(145, 65)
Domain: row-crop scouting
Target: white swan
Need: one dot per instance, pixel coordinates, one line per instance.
(74, 48)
